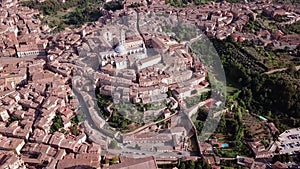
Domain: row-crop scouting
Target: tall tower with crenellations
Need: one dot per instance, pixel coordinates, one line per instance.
(122, 37)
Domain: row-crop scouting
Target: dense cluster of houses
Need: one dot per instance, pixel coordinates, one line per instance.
(20, 31)
(35, 87)
(31, 98)
(219, 20)
(148, 79)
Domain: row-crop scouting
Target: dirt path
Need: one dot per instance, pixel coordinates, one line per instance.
(279, 70)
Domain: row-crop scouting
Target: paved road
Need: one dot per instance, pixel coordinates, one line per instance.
(227, 159)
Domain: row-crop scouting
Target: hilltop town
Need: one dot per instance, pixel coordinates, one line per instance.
(111, 95)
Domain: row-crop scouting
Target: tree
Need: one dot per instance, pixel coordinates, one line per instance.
(113, 5)
(57, 123)
(198, 165)
(113, 144)
(74, 130)
(124, 124)
(76, 17)
(205, 164)
(115, 160)
(182, 166)
(137, 147)
(74, 120)
(292, 69)
(265, 143)
(222, 124)
(269, 114)
(135, 5)
(106, 161)
(230, 38)
(191, 164)
(288, 158)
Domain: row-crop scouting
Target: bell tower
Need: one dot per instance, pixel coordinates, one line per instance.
(122, 37)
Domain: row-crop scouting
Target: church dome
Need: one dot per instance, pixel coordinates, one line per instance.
(120, 49)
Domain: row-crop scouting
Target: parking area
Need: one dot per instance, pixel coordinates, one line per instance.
(289, 141)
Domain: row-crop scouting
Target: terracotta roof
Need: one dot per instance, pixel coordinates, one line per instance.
(141, 163)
